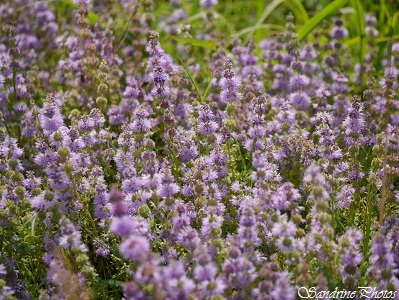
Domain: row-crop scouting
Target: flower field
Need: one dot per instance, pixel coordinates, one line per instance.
(199, 149)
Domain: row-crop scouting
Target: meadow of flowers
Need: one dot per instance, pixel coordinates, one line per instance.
(199, 149)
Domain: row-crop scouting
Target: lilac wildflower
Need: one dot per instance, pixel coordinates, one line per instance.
(134, 247)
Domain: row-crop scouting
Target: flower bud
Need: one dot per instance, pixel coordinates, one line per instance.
(20, 191)
(17, 177)
(144, 211)
(102, 88)
(58, 136)
(101, 101)
(68, 168)
(234, 252)
(322, 205)
(287, 242)
(318, 191)
(386, 274)
(82, 259)
(83, 22)
(64, 153)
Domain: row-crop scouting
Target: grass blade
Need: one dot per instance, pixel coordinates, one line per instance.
(329, 10)
(352, 42)
(32, 229)
(195, 42)
(206, 91)
(155, 242)
(297, 8)
(196, 6)
(190, 76)
(92, 16)
(271, 27)
(386, 38)
(112, 282)
(362, 30)
(268, 10)
(362, 33)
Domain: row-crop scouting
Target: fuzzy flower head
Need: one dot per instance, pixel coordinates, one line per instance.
(229, 84)
(82, 2)
(207, 124)
(134, 247)
(208, 3)
(50, 115)
(2, 80)
(160, 65)
(299, 81)
(314, 175)
(167, 188)
(350, 256)
(354, 122)
(300, 99)
(391, 73)
(339, 32)
(382, 257)
(43, 201)
(123, 226)
(316, 180)
(142, 121)
(205, 113)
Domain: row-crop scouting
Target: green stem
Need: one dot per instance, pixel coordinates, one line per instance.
(388, 95)
(367, 223)
(356, 196)
(77, 196)
(14, 78)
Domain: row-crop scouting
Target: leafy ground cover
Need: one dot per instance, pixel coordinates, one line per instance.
(182, 150)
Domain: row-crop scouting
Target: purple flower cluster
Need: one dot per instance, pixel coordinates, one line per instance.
(244, 172)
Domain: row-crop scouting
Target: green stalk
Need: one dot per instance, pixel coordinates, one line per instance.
(367, 223)
(77, 196)
(387, 117)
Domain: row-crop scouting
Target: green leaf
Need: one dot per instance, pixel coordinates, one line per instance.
(155, 242)
(339, 223)
(268, 10)
(352, 42)
(190, 76)
(195, 17)
(382, 9)
(112, 282)
(298, 9)
(195, 7)
(92, 74)
(32, 230)
(206, 91)
(362, 30)
(395, 19)
(270, 27)
(329, 10)
(226, 22)
(386, 38)
(93, 17)
(348, 10)
(195, 42)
